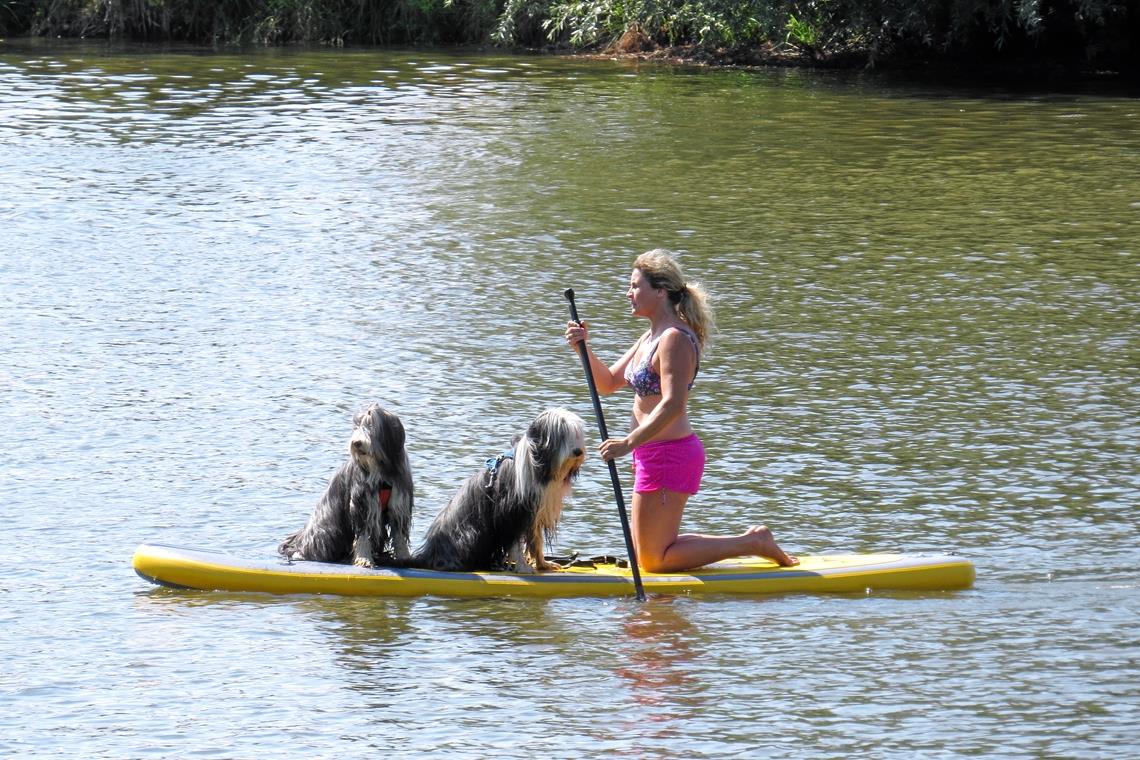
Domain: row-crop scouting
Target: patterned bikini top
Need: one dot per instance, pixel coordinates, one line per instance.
(644, 379)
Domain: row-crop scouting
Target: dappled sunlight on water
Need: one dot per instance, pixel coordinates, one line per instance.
(927, 302)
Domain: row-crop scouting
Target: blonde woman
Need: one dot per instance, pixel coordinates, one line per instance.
(668, 458)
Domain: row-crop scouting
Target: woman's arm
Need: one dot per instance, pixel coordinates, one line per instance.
(606, 379)
(678, 361)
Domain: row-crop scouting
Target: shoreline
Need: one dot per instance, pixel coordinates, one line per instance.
(1010, 72)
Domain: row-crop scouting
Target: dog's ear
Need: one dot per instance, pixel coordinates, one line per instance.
(392, 432)
(543, 447)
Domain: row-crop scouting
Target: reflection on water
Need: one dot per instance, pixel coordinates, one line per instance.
(927, 301)
(660, 649)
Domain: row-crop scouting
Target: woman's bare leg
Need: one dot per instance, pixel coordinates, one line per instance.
(656, 520)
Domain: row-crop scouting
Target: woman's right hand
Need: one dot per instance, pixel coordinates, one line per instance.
(614, 448)
(576, 333)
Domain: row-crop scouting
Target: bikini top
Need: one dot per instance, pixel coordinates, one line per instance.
(644, 379)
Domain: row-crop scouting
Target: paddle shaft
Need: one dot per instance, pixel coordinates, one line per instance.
(585, 356)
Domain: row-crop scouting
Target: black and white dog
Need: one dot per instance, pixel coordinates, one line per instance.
(366, 511)
(505, 511)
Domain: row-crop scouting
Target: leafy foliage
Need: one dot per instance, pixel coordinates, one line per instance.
(816, 29)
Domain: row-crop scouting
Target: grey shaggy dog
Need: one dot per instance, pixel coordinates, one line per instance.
(513, 504)
(366, 511)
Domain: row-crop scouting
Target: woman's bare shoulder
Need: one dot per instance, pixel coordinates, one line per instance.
(678, 341)
(675, 335)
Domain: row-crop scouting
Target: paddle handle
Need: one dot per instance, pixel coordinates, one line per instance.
(614, 479)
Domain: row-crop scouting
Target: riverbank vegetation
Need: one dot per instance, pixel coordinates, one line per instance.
(1083, 34)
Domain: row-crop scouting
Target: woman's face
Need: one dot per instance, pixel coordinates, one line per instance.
(644, 299)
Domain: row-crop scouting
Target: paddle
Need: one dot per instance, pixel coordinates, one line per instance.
(569, 293)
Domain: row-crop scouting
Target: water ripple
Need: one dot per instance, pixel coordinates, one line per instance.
(927, 311)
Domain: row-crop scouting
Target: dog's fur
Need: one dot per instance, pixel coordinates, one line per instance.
(349, 521)
(505, 511)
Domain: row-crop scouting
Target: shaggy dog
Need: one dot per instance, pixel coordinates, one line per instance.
(514, 503)
(368, 503)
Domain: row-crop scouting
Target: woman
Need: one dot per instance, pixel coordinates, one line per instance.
(668, 458)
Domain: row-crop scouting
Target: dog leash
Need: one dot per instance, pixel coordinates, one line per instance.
(575, 560)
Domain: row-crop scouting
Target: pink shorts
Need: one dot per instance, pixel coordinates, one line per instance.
(676, 465)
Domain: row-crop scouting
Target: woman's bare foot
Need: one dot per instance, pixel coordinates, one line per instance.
(765, 545)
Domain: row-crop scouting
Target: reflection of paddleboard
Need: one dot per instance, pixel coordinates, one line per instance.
(214, 571)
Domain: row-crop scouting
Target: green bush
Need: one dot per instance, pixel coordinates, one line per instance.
(1061, 30)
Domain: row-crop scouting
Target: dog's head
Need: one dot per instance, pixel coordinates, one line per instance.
(554, 447)
(377, 442)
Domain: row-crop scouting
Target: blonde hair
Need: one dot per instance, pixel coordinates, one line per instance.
(689, 299)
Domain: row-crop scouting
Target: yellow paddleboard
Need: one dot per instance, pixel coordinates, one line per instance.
(215, 571)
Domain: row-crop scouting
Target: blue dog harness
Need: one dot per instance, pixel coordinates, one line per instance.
(494, 463)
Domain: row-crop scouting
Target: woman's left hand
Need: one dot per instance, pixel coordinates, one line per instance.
(614, 448)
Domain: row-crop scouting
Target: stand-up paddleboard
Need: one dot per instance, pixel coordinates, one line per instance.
(215, 571)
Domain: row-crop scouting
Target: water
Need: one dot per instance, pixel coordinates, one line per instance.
(927, 301)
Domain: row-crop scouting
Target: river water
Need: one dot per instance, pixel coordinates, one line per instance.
(928, 314)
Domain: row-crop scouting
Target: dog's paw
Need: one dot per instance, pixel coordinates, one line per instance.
(363, 562)
(547, 567)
